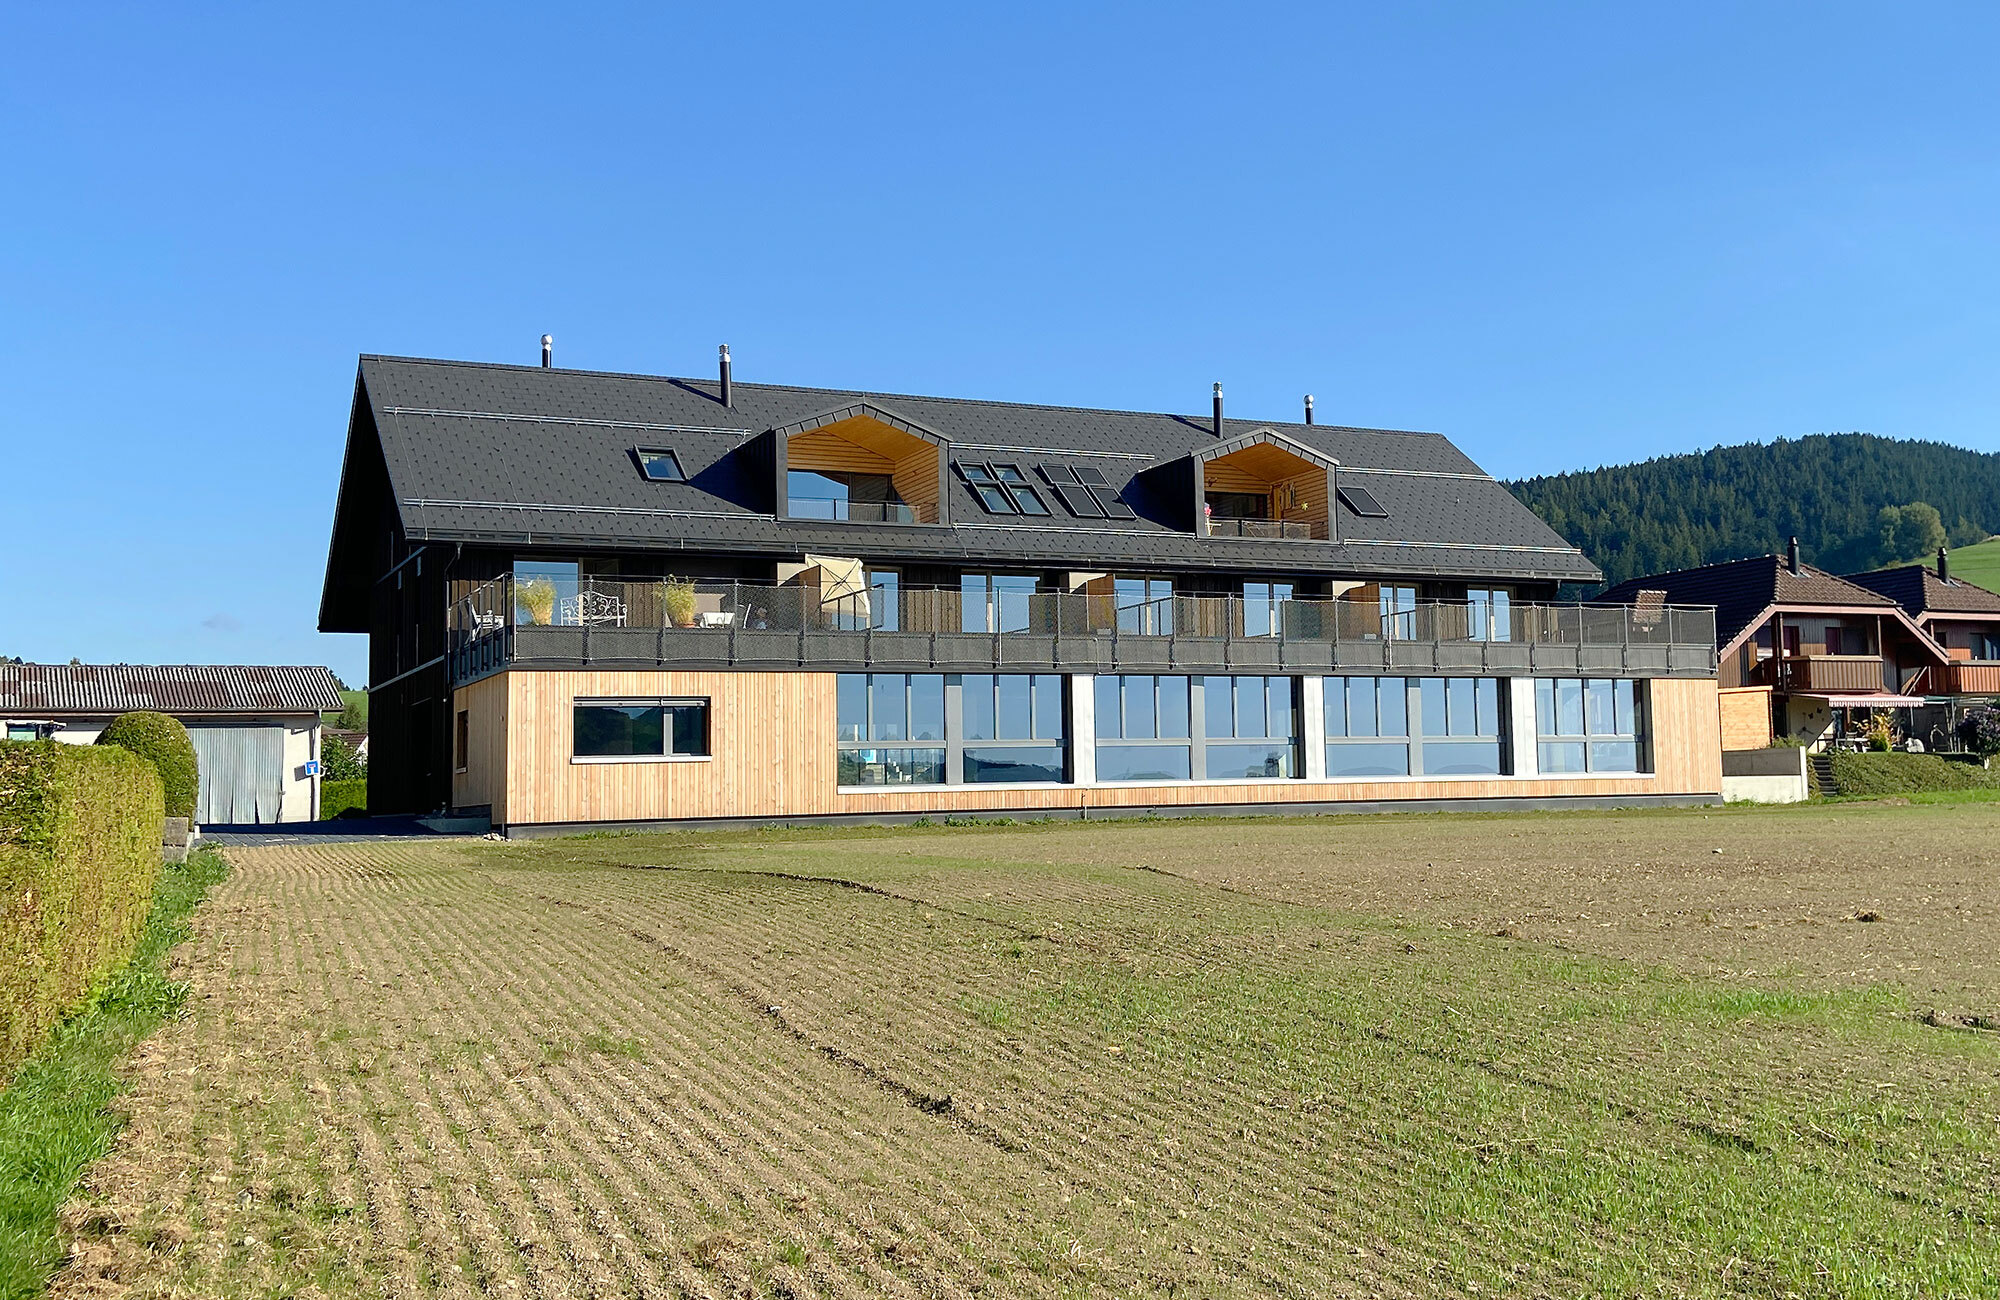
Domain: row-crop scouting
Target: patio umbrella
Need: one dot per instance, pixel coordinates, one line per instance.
(842, 582)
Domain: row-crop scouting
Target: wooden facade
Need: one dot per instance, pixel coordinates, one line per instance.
(773, 756)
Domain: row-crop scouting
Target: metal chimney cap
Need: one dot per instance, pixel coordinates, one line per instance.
(723, 351)
(548, 340)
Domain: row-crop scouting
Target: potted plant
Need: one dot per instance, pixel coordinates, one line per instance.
(537, 599)
(677, 598)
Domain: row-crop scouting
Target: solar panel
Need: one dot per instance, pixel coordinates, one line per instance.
(1113, 507)
(1057, 473)
(1362, 502)
(1092, 475)
(1079, 501)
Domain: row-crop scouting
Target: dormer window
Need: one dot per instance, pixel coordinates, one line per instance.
(659, 464)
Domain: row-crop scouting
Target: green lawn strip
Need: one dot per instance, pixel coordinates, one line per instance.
(55, 1117)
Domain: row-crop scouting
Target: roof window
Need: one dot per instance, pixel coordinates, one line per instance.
(1362, 502)
(659, 464)
(1086, 493)
(1001, 488)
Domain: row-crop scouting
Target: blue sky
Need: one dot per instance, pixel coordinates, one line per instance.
(1565, 235)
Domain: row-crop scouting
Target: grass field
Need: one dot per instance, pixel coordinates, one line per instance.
(1701, 1053)
(1978, 564)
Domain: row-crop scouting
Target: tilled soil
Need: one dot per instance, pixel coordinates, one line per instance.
(1006, 1062)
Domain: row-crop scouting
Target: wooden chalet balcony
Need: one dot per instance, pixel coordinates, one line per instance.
(1965, 677)
(650, 623)
(1830, 674)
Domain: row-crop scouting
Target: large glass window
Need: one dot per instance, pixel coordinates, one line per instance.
(1264, 607)
(1250, 728)
(996, 602)
(638, 729)
(1367, 726)
(830, 494)
(1460, 726)
(890, 728)
(1145, 605)
(1490, 611)
(545, 592)
(1399, 613)
(1142, 729)
(1013, 727)
(1591, 724)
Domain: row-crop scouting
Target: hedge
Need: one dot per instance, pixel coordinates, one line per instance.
(337, 798)
(1906, 774)
(163, 742)
(79, 851)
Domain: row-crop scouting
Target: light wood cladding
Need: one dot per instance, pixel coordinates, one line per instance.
(774, 756)
(865, 446)
(485, 778)
(1745, 717)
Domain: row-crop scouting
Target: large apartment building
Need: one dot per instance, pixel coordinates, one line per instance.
(614, 599)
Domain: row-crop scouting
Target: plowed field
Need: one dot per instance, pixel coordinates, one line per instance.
(1574, 1055)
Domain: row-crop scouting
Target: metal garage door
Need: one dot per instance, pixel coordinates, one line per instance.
(242, 774)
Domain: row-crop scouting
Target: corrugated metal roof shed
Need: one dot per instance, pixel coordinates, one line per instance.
(202, 689)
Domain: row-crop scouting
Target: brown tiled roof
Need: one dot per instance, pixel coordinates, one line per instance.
(1741, 590)
(166, 688)
(1918, 589)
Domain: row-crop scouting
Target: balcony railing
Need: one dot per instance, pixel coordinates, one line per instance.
(1269, 530)
(839, 508)
(634, 622)
(1961, 677)
(1830, 673)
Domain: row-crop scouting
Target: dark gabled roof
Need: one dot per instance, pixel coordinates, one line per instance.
(1918, 589)
(458, 451)
(1741, 590)
(192, 689)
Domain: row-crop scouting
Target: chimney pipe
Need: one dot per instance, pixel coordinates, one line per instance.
(1792, 555)
(1309, 408)
(548, 350)
(1218, 410)
(725, 374)
(1944, 565)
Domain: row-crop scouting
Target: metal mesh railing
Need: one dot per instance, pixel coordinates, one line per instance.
(671, 604)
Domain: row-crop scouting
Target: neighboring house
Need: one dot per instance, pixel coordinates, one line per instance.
(256, 729)
(1809, 652)
(1960, 616)
(356, 740)
(602, 598)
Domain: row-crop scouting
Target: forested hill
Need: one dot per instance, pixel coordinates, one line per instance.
(1843, 495)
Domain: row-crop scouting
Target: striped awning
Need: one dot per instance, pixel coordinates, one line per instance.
(1879, 700)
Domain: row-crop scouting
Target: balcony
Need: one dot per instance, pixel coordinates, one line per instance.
(1963, 677)
(1824, 674)
(655, 623)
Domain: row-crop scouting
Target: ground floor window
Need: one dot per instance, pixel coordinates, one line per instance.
(1589, 724)
(1367, 726)
(461, 742)
(890, 728)
(1171, 728)
(950, 728)
(1414, 726)
(640, 729)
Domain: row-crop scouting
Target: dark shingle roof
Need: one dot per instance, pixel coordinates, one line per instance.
(1919, 590)
(1741, 590)
(166, 688)
(513, 454)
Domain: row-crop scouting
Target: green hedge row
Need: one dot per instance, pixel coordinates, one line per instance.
(79, 851)
(338, 797)
(1906, 774)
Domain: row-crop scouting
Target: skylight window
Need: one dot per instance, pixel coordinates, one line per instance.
(1002, 489)
(1085, 492)
(659, 464)
(1362, 502)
